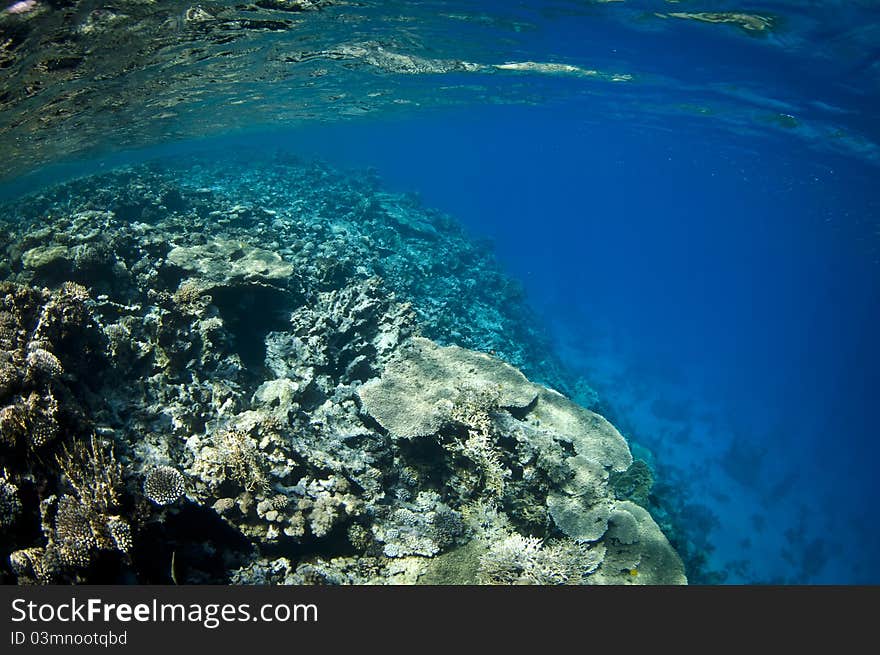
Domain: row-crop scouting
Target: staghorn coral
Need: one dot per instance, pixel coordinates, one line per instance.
(247, 479)
(228, 456)
(91, 469)
(472, 408)
(333, 571)
(81, 524)
(242, 461)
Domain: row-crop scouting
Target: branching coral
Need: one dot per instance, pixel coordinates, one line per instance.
(472, 408)
(231, 454)
(87, 520)
(241, 459)
(80, 524)
(92, 470)
(528, 560)
(328, 502)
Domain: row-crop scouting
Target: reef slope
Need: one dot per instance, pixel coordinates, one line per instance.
(275, 376)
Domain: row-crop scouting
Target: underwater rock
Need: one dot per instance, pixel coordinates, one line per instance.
(343, 335)
(47, 257)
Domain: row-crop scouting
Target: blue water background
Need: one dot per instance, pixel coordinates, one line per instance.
(720, 292)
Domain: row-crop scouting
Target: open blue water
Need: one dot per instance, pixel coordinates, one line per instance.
(721, 294)
(703, 244)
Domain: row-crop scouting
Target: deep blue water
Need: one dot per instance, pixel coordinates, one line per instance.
(729, 284)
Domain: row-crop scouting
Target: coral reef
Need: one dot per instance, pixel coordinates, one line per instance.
(415, 397)
(81, 526)
(275, 377)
